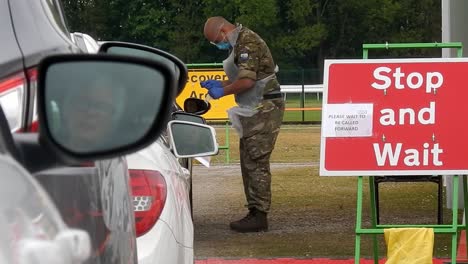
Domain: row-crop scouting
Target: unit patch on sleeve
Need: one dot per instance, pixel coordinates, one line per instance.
(244, 57)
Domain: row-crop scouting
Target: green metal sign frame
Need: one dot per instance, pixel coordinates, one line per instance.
(192, 66)
(375, 229)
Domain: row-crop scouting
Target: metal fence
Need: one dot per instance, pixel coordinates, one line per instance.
(300, 76)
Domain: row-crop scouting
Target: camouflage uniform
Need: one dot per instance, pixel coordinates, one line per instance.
(254, 61)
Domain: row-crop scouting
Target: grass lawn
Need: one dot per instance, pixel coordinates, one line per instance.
(322, 209)
(295, 101)
(295, 144)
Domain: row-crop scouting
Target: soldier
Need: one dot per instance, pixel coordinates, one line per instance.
(252, 79)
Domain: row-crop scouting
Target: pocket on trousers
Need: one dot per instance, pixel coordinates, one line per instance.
(259, 145)
(252, 125)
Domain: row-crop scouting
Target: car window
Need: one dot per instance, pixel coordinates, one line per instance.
(11, 102)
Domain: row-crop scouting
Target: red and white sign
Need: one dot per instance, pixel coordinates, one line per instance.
(395, 117)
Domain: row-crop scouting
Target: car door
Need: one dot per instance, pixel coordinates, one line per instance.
(94, 196)
(31, 227)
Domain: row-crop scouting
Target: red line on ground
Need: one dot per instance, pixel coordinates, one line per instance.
(461, 252)
(303, 109)
(294, 261)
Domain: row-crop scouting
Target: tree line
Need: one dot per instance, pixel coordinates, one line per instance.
(300, 33)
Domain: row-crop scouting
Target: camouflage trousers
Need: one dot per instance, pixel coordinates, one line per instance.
(259, 137)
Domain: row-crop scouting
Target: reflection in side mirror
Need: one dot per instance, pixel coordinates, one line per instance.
(69, 246)
(76, 243)
(91, 106)
(192, 140)
(136, 50)
(196, 106)
(182, 116)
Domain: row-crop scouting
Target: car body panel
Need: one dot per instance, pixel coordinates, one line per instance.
(41, 33)
(36, 29)
(94, 199)
(176, 213)
(86, 43)
(29, 222)
(159, 245)
(10, 57)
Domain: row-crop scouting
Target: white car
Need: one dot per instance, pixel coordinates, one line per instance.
(85, 42)
(161, 205)
(161, 188)
(160, 174)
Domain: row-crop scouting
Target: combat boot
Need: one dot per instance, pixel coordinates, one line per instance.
(255, 221)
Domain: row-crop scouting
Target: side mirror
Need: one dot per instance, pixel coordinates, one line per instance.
(102, 106)
(189, 139)
(182, 116)
(196, 106)
(136, 50)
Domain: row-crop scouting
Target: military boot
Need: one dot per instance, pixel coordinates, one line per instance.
(255, 221)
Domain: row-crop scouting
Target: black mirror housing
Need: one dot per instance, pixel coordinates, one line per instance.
(196, 106)
(182, 116)
(90, 108)
(142, 51)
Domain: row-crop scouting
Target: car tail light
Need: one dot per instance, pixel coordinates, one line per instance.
(14, 82)
(149, 197)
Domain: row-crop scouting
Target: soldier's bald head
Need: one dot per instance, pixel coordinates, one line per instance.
(213, 26)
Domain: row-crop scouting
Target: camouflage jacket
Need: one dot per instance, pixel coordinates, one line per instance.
(252, 56)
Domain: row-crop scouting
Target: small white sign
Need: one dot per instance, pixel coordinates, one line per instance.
(347, 120)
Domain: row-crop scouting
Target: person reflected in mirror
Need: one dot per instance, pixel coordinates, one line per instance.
(196, 106)
(252, 80)
(90, 115)
(191, 107)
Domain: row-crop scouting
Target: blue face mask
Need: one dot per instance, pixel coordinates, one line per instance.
(223, 45)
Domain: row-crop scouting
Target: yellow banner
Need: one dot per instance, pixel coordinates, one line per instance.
(193, 89)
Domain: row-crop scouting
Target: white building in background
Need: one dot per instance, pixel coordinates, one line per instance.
(454, 29)
(454, 25)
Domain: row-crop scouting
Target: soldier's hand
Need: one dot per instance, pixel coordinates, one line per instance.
(210, 84)
(216, 92)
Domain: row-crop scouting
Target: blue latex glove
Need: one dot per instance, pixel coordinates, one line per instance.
(210, 84)
(216, 92)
